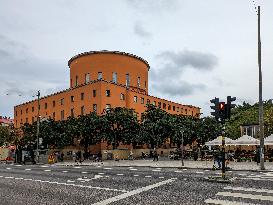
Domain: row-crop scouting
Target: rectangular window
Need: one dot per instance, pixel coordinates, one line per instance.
(122, 96)
(169, 107)
(76, 81)
(16, 113)
(87, 78)
(53, 115)
(145, 85)
(142, 100)
(154, 103)
(127, 80)
(182, 110)
(45, 105)
(159, 104)
(62, 115)
(135, 99)
(71, 84)
(173, 108)
(186, 111)
(82, 96)
(177, 109)
(138, 82)
(82, 110)
(21, 112)
(94, 93)
(164, 105)
(95, 108)
(99, 75)
(108, 107)
(72, 112)
(26, 120)
(148, 101)
(53, 103)
(72, 98)
(32, 109)
(62, 101)
(32, 120)
(115, 80)
(107, 93)
(27, 110)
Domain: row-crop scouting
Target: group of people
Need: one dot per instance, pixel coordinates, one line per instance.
(80, 157)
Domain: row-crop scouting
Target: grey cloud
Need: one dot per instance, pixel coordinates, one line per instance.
(140, 31)
(194, 59)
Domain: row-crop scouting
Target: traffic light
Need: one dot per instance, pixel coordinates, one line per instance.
(215, 101)
(222, 111)
(229, 106)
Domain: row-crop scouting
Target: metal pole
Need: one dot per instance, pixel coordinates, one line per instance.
(38, 125)
(223, 155)
(261, 117)
(182, 148)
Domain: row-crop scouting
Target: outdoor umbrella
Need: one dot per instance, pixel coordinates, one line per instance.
(269, 140)
(218, 141)
(246, 140)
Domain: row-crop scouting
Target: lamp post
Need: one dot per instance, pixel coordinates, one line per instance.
(182, 147)
(38, 125)
(261, 115)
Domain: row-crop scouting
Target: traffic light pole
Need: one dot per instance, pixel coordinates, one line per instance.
(223, 153)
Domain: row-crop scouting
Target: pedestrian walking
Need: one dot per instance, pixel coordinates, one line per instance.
(155, 155)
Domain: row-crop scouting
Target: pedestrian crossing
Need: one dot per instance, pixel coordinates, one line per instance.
(236, 195)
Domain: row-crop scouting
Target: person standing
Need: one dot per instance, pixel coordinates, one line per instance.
(155, 155)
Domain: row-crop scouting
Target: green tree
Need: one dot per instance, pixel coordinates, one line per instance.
(4, 135)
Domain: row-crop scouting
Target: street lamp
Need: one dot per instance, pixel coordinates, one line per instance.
(38, 126)
(182, 147)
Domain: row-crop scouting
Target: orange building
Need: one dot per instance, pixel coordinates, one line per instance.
(100, 80)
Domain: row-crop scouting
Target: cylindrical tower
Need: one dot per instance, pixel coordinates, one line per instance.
(113, 66)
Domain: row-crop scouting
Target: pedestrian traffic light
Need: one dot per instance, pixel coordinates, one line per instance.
(215, 101)
(229, 106)
(222, 111)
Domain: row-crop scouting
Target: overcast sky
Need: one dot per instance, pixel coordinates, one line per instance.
(197, 49)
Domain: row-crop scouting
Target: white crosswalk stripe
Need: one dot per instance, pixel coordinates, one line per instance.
(237, 194)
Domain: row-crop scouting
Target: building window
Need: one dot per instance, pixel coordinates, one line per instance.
(53, 115)
(138, 82)
(169, 107)
(71, 84)
(72, 98)
(186, 111)
(62, 101)
(72, 112)
(26, 120)
(122, 96)
(16, 113)
(82, 110)
(95, 108)
(32, 109)
(135, 99)
(45, 105)
(82, 96)
(107, 93)
(148, 101)
(87, 78)
(94, 93)
(99, 75)
(164, 105)
(21, 112)
(191, 113)
(159, 104)
(32, 120)
(76, 81)
(154, 103)
(127, 80)
(62, 115)
(145, 85)
(115, 80)
(142, 100)
(27, 110)
(173, 108)
(108, 107)
(181, 109)
(53, 103)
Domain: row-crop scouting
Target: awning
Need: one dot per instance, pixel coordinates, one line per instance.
(246, 140)
(218, 141)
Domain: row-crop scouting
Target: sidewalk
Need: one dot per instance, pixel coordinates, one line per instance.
(235, 166)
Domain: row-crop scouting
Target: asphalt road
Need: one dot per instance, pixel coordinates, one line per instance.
(99, 185)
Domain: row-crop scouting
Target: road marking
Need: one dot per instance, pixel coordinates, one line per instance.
(1, 176)
(130, 167)
(65, 171)
(77, 167)
(70, 181)
(9, 177)
(225, 202)
(84, 172)
(161, 177)
(199, 172)
(43, 166)
(134, 192)
(246, 196)
(47, 170)
(133, 169)
(184, 169)
(156, 170)
(107, 168)
(258, 179)
(206, 170)
(27, 169)
(18, 165)
(120, 174)
(178, 171)
(18, 178)
(8, 168)
(148, 176)
(28, 179)
(101, 173)
(249, 189)
(136, 175)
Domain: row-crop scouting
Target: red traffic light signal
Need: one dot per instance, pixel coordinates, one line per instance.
(222, 106)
